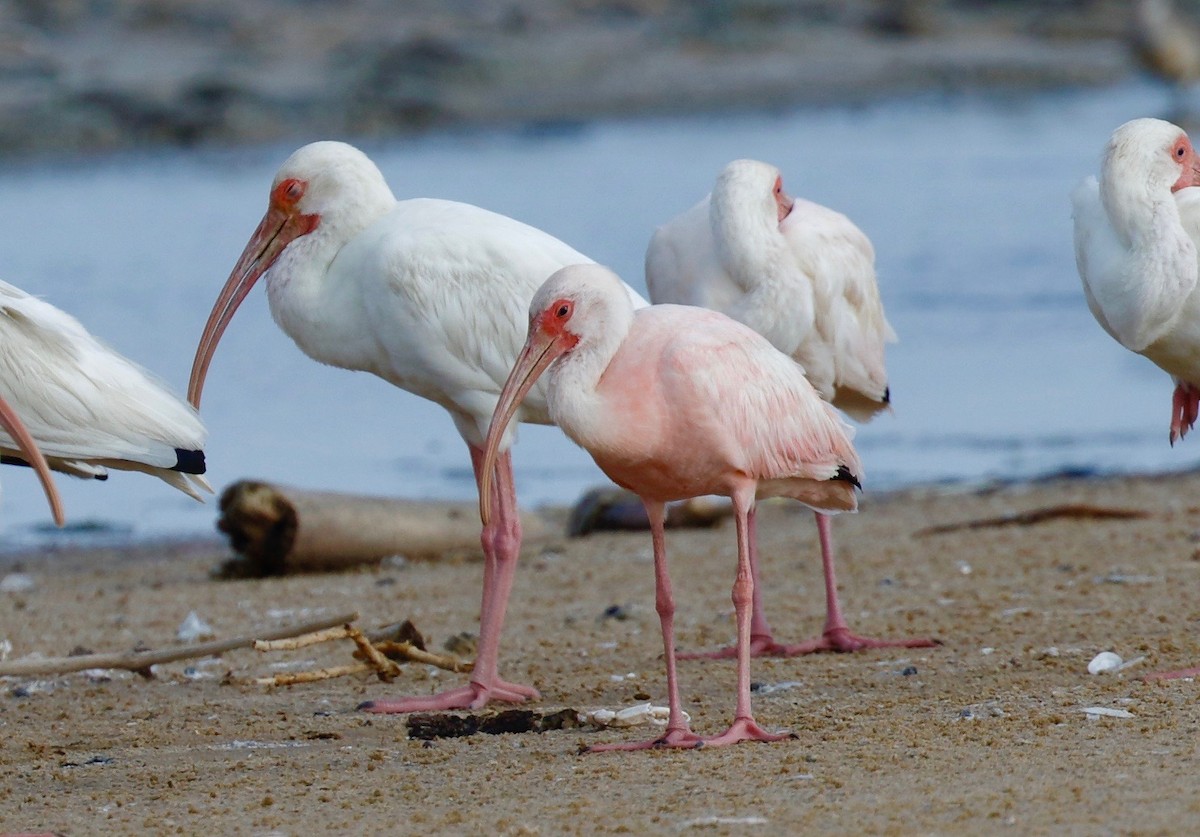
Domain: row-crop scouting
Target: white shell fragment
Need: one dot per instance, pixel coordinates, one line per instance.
(630, 716)
(17, 583)
(1105, 661)
(709, 822)
(193, 628)
(1094, 712)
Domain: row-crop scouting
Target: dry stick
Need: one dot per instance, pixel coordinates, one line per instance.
(373, 646)
(291, 678)
(385, 668)
(138, 661)
(302, 641)
(328, 635)
(1083, 511)
(415, 655)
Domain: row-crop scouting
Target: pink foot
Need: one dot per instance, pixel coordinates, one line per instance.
(745, 729)
(1185, 409)
(1173, 675)
(838, 639)
(684, 738)
(471, 696)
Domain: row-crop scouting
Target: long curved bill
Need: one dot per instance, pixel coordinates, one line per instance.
(29, 450)
(539, 352)
(276, 230)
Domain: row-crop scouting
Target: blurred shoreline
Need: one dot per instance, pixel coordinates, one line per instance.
(85, 77)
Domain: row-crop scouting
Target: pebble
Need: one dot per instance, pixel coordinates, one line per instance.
(194, 628)
(17, 583)
(630, 716)
(1094, 712)
(1105, 661)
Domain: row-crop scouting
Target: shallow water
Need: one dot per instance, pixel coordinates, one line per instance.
(1000, 371)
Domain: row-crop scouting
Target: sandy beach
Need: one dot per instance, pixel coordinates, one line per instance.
(985, 733)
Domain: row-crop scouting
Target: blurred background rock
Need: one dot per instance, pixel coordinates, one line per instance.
(80, 75)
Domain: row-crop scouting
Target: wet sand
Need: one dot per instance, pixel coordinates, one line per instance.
(984, 733)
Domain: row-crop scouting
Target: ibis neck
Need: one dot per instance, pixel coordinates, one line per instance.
(1139, 210)
(777, 299)
(309, 289)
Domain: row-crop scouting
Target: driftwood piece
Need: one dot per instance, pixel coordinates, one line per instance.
(142, 660)
(277, 529)
(612, 509)
(1077, 511)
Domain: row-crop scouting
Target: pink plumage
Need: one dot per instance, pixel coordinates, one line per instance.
(674, 402)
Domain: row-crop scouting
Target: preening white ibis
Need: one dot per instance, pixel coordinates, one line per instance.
(1137, 230)
(87, 407)
(803, 276)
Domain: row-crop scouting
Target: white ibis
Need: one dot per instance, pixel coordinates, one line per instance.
(88, 408)
(429, 295)
(1137, 230)
(673, 402)
(803, 276)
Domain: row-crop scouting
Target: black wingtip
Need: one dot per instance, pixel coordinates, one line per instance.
(844, 474)
(887, 395)
(189, 461)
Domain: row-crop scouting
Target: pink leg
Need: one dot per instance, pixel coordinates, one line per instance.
(744, 727)
(837, 635)
(1185, 408)
(501, 541)
(678, 733)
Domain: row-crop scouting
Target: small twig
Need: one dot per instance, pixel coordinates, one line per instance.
(408, 651)
(378, 649)
(294, 643)
(385, 668)
(289, 678)
(139, 661)
(1083, 511)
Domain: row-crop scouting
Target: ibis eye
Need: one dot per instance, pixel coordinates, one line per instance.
(563, 310)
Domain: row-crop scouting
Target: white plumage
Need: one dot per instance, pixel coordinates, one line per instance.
(430, 295)
(1137, 230)
(87, 407)
(800, 274)
(803, 276)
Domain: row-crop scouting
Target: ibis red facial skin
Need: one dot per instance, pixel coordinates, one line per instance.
(429, 295)
(803, 276)
(1137, 235)
(673, 402)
